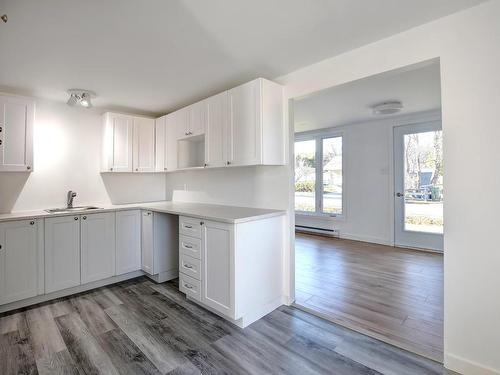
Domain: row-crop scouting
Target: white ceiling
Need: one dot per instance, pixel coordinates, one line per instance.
(158, 55)
(418, 88)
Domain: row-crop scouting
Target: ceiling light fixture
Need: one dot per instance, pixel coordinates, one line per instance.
(81, 97)
(387, 108)
(4, 18)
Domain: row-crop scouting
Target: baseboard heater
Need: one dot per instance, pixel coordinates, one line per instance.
(313, 230)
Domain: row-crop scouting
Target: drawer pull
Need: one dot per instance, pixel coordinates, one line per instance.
(188, 226)
(188, 266)
(188, 246)
(188, 286)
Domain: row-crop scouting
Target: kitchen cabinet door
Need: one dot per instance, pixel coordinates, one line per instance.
(18, 260)
(245, 126)
(62, 253)
(16, 134)
(128, 241)
(144, 145)
(218, 267)
(161, 144)
(176, 125)
(216, 130)
(197, 118)
(147, 242)
(118, 143)
(97, 246)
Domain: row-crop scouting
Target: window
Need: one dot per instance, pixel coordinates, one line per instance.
(319, 175)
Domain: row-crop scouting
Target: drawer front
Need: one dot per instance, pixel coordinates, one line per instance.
(190, 266)
(189, 286)
(190, 246)
(190, 226)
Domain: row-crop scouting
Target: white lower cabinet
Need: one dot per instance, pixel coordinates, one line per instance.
(20, 256)
(97, 246)
(147, 242)
(217, 261)
(62, 253)
(128, 241)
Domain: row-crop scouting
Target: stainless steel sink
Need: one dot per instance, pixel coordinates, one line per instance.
(72, 209)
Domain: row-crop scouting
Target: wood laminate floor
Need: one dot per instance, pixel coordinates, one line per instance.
(139, 327)
(393, 294)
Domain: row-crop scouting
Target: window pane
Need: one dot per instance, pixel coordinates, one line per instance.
(423, 182)
(305, 176)
(332, 175)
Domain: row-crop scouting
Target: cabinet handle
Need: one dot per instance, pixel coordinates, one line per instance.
(188, 226)
(188, 266)
(137, 169)
(228, 162)
(0, 129)
(84, 218)
(206, 165)
(188, 246)
(111, 169)
(76, 217)
(202, 222)
(0, 247)
(32, 223)
(0, 142)
(28, 167)
(188, 286)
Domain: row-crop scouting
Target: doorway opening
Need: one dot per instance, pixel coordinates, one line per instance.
(369, 196)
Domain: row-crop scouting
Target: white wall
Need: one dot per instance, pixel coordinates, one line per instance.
(67, 143)
(467, 44)
(368, 180)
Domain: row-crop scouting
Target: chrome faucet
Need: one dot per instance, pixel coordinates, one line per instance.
(71, 196)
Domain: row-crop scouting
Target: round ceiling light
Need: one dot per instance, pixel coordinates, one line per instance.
(387, 108)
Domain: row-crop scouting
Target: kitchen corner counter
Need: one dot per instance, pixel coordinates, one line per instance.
(221, 213)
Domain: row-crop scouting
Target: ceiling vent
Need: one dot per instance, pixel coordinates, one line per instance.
(387, 108)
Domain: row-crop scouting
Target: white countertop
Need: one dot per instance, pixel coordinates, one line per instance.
(226, 214)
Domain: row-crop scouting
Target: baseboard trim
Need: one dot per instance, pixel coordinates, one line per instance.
(353, 237)
(465, 366)
(67, 292)
(164, 276)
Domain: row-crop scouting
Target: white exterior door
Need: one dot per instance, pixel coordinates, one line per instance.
(16, 134)
(97, 246)
(418, 186)
(144, 145)
(245, 124)
(122, 132)
(216, 130)
(128, 241)
(218, 267)
(62, 253)
(18, 260)
(147, 244)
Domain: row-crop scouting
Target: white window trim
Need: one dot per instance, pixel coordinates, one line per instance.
(318, 136)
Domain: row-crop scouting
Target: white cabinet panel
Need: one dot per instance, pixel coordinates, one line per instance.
(218, 267)
(147, 242)
(117, 143)
(128, 241)
(62, 253)
(161, 144)
(216, 140)
(16, 133)
(97, 246)
(197, 118)
(176, 125)
(245, 125)
(18, 260)
(144, 145)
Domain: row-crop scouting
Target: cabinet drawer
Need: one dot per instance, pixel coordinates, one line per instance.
(190, 266)
(190, 246)
(190, 226)
(191, 287)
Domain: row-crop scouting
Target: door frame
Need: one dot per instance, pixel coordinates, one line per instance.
(430, 241)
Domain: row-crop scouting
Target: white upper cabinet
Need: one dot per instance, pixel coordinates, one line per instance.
(197, 118)
(256, 131)
(128, 143)
(17, 116)
(216, 130)
(176, 125)
(97, 240)
(144, 145)
(161, 144)
(19, 260)
(117, 143)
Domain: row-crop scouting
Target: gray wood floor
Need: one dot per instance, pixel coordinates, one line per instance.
(139, 327)
(393, 294)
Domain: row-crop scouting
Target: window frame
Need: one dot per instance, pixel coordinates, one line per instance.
(318, 137)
